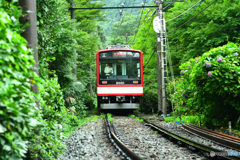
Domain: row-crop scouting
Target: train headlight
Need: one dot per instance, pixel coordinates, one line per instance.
(104, 82)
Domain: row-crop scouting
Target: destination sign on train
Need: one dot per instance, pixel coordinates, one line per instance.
(118, 54)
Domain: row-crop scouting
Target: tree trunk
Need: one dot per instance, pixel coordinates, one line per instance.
(30, 33)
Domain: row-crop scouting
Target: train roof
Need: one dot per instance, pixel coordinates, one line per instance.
(119, 49)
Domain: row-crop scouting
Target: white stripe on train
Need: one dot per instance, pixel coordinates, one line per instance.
(120, 90)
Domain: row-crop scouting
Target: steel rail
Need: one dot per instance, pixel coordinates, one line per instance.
(120, 144)
(188, 142)
(216, 137)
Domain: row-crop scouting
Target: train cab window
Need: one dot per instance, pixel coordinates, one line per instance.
(119, 69)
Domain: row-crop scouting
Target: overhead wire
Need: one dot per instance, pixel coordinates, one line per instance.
(193, 17)
(138, 24)
(185, 15)
(151, 23)
(168, 58)
(183, 12)
(155, 49)
(146, 34)
(167, 6)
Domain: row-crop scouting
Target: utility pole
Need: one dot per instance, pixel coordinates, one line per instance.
(163, 58)
(30, 34)
(159, 71)
(73, 17)
(160, 28)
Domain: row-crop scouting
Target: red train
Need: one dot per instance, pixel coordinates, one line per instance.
(119, 78)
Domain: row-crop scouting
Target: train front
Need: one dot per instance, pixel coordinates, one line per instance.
(119, 78)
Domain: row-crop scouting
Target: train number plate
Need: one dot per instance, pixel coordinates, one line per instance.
(119, 82)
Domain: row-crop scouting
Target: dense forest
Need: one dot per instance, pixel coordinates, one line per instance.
(203, 38)
(120, 22)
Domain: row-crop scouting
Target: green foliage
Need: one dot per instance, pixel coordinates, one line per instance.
(139, 119)
(56, 40)
(102, 115)
(81, 108)
(149, 100)
(133, 116)
(187, 119)
(45, 140)
(26, 131)
(109, 115)
(211, 91)
(78, 91)
(115, 15)
(129, 26)
(146, 45)
(17, 105)
(214, 27)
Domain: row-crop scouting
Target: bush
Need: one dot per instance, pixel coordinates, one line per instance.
(211, 85)
(149, 101)
(45, 140)
(17, 105)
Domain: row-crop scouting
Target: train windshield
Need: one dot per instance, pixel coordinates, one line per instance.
(119, 65)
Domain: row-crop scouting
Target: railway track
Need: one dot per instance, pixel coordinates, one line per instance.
(135, 140)
(192, 145)
(219, 138)
(123, 149)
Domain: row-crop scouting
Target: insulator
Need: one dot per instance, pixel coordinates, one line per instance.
(120, 12)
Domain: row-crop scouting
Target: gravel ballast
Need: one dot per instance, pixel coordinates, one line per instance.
(89, 142)
(147, 143)
(180, 131)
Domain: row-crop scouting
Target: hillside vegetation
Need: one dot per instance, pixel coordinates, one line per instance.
(204, 45)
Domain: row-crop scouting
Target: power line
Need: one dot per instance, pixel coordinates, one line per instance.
(138, 26)
(148, 28)
(184, 11)
(146, 14)
(110, 19)
(193, 17)
(186, 14)
(146, 34)
(150, 58)
(151, 22)
(115, 7)
(151, 54)
(167, 6)
(125, 7)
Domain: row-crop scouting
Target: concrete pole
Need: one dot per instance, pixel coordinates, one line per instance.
(159, 75)
(163, 58)
(30, 33)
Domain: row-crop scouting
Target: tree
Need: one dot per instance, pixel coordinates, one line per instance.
(214, 27)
